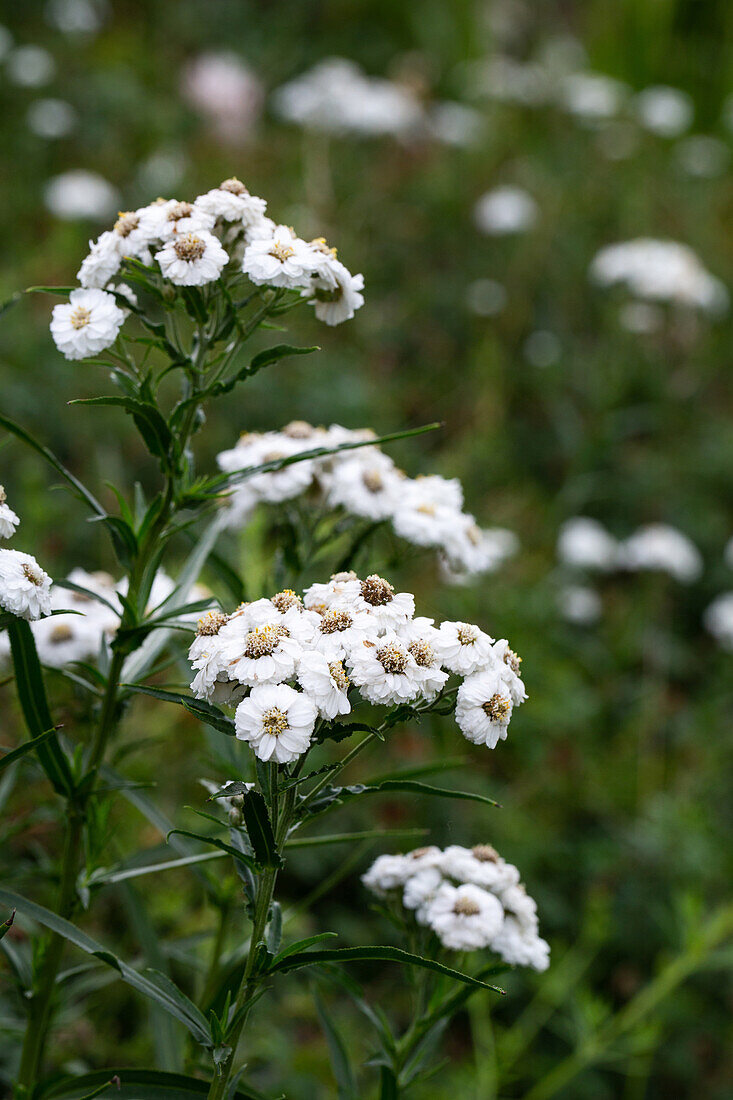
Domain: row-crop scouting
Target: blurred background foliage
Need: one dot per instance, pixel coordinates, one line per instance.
(614, 781)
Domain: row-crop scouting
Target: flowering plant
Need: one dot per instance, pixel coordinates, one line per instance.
(176, 289)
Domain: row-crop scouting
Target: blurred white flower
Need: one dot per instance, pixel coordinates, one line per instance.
(456, 124)
(660, 547)
(8, 519)
(659, 270)
(579, 604)
(584, 543)
(25, 589)
(592, 97)
(504, 79)
(76, 16)
(81, 194)
(6, 42)
(542, 348)
(30, 66)
(718, 619)
(703, 156)
(51, 118)
(465, 918)
(665, 111)
(641, 318)
(505, 210)
(226, 90)
(86, 324)
(486, 297)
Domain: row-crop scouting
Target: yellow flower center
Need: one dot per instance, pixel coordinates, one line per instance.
(333, 622)
(274, 721)
(497, 708)
(338, 675)
(80, 317)
(127, 220)
(262, 641)
(282, 252)
(392, 658)
(211, 623)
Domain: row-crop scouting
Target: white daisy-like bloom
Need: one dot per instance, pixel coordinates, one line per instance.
(80, 194)
(660, 547)
(579, 604)
(484, 708)
(367, 484)
(282, 260)
(277, 721)
(102, 263)
(62, 639)
(255, 449)
(427, 510)
(340, 628)
(505, 210)
(469, 549)
(8, 518)
(342, 588)
(584, 543)
(665, 111)
(166, 219)
(25, 589)
(388, 609)
(325, 683)
(518, 904)
(265, 654)
(465, 918)
(659, 271)
(336, 294)
(509, 665)
(86, 324)
(419, 635)
(226, 91)
(592, 97)
(192, 258)
(482, 865)
(385, 671)
(391, 872)
(420, 891)
(463, 648)
(521, 947)
(232, 202)
(208, 627)
(718, 619)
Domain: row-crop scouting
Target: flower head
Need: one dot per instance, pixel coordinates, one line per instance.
(8, 519)
(483, 708)
(277, 721)
(25, 589)
(465, 918)
(192, 258)
(87, 324)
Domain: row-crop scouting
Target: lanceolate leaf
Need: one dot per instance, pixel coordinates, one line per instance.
(32, 697)
(7, 925)
(259, 829)
(205, 712)
(336, 796)
(50, 457)
(371, 954)
(151, 984)
(138, 1084)
(338, 1053)
(10, 757)
(148, 421)
(215, 842)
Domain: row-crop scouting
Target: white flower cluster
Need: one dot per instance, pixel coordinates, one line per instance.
(505, 210)
(287, 661)
(585, 543)
(718, 620)
(470, 897)
(25, 589)
(660, 271)
(191, 244)
(365, 482)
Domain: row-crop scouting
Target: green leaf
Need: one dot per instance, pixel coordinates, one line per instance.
(338, 1054)
(259, 829)
(10, 757)
(343, 838)
(7, 925)
(215, 842)
(205, 712)
(33, 703)
(372, 954)
(121, 874)
(336, 796)
(154, 986)
(137, 1084)
(302, 945)
(148, 421)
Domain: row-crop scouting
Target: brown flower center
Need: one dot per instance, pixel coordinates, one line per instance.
(338, 675)
(189, 247)
(3, 494)
(373, 481)
(376, 591)
(513, 660)
(467, 634)
(235, 186)
(423, 653)
(465, 907)
(274, 721)
(497, 708)
(262, 641)
(485, 853)
(32, 575)
(333, 622)
(298, 429)
(286, 599)
(180, 210)
(127, 220)
(392, 658)
(61, 633)
(211, 623)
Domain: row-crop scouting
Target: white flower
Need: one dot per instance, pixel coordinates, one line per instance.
(192, 259)
(335, 292)
(420, 891)
(25, 590)
(579, 604)
(340, 628)
(282, 260)
(254, 449)
(86, 324)
(102, 263)
(465, 918)
(226, 90)
(427, 509)
(389, 872)
(388, 609)
(505, 210)
(62, 639)
(482, 865)
(385, 671)
(80, 194)
(8, 519)
(520, 947)
(483, 708)
(463, 648)
(265, 654)
(232, 202)
(277, 721)
(661, 547)
(584, 543)
(518, 904)
(325, 683)
(342, 587)
(661, 271)
(508, 666)
(718, 619)
(593, 97)
(470, 549)
(419, 635)
(366, 484)
(665, 111)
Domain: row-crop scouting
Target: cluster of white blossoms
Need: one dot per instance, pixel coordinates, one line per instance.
(192, 244)
(505, 210)
(25, 589)
(288, 661)
(425, 511)
(585, 544)
(470, 897)
(659, 271)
